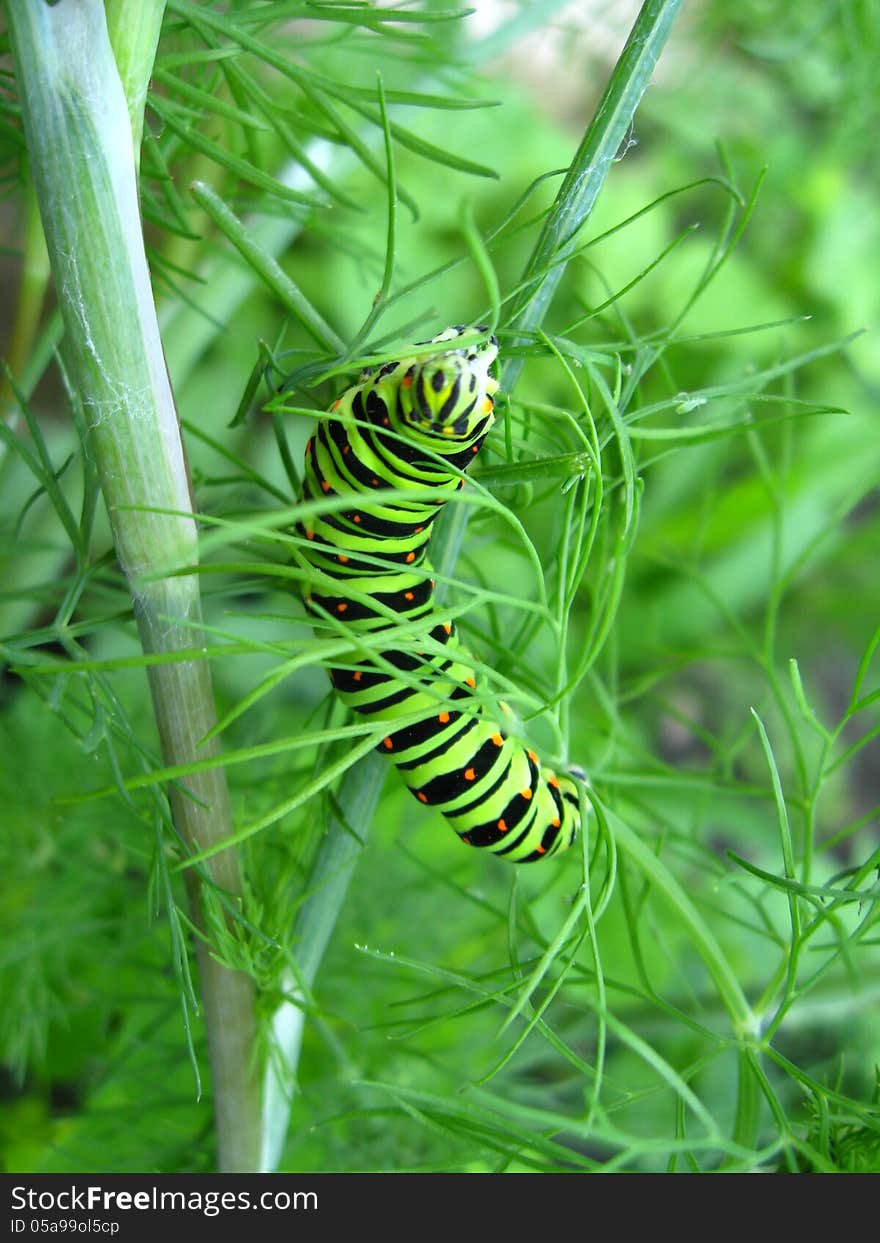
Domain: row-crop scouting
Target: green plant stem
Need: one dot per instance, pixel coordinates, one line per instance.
(358, 797)
(133, 27)
(589, 168)
(78, 134)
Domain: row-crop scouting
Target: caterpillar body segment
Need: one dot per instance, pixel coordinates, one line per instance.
(413, 426)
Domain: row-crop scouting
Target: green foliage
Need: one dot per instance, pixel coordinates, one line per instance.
(668, 568)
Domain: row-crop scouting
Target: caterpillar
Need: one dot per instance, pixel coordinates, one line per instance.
(415, 425)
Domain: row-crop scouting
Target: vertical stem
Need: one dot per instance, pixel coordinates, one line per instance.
(133, 27)
(79, 139)
(328, 886)
(589, 168)
(183, 704)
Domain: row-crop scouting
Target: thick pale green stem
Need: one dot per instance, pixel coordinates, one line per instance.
(78, 132)
(184, 706)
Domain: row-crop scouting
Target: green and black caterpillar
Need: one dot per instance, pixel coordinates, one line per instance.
(414, 425)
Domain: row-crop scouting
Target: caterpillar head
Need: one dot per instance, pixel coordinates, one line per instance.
(448, 395)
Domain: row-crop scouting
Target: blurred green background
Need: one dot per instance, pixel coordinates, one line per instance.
(755, 547)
